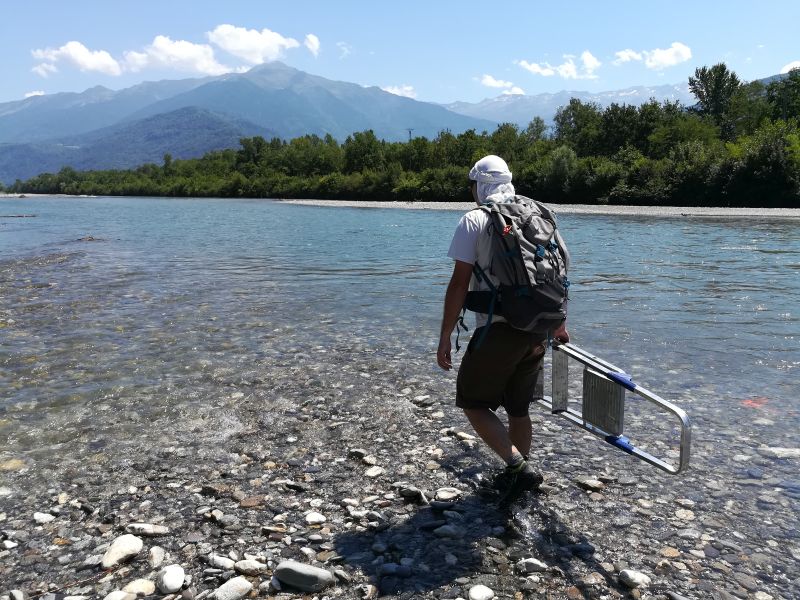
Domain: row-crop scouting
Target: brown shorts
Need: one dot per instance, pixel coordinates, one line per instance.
(501, 371)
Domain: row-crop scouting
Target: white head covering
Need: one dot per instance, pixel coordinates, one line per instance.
(494, 180)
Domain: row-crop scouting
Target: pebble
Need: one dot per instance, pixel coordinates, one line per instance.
(315, 518)
(43, 518)
(221, 562)
(779, 452)
(122, 549)
(591, 484)
(304, 577)
(120, 595)
(531, 565)
(140, 587)
(156, 557)
(250, 567)
(480, 592)
(147, 529)
(233, 589)
(447, 494)
(373, 472)
(633, 579)
(170, 579)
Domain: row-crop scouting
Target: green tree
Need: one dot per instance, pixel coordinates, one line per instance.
(363, 150)
(783, 96)
(578, 125)
(535, 131)
(714, 88)
(748, 108)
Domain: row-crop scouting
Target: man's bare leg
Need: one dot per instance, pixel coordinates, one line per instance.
(520, 432)
(492, 431)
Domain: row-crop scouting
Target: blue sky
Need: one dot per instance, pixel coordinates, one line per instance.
(438, 51)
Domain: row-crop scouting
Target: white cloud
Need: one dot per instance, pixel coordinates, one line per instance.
(36, 93)
(490, 81)
(658, 58)
(176, 54)
(251, 45)
(401, 90)
(543, 69)
(662, 58)
(345, 49)
(44, 69)
(78, 55)
(514, 91)
(590, 64)
(312, 43)
(568, 69)
(792, 65)
(626, 55)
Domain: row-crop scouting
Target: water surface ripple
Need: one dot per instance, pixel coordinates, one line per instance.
(126, 320)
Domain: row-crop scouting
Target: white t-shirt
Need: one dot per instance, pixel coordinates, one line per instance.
(472, 243)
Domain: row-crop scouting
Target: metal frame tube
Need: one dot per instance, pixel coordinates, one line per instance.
(616, 375)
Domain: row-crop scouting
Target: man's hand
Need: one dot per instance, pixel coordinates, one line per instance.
(443, 353)
(561, 334)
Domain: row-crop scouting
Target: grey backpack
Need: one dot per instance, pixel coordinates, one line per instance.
(529, 262)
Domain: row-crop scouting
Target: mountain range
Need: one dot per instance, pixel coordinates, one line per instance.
(520, 108)
(102, 128)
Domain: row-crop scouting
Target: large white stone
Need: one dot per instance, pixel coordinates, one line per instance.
(480, 592)
(170, 579)
(125, 547)
(633, 579)
(233, 589)
(315, 518)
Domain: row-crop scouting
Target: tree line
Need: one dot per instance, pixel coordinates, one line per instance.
(738, 146)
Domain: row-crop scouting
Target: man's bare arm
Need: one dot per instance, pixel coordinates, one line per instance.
(453, 303)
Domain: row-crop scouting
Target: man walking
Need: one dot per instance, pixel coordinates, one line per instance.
(500, 364)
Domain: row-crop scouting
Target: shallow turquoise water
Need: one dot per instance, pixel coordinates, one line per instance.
(705, 312)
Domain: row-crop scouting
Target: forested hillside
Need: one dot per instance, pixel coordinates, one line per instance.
(738, 146)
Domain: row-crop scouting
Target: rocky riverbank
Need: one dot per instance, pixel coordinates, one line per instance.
(583, 209)
(351, 475)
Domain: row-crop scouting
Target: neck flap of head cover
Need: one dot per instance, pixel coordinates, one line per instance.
(494, 180)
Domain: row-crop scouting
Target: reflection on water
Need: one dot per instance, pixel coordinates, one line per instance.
(175, 299)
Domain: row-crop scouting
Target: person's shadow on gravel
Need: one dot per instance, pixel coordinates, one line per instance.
(475, 540)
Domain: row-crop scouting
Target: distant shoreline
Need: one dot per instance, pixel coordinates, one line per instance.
(577, 209)
(564, 209)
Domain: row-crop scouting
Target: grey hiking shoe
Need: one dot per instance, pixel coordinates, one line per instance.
(514, 481)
